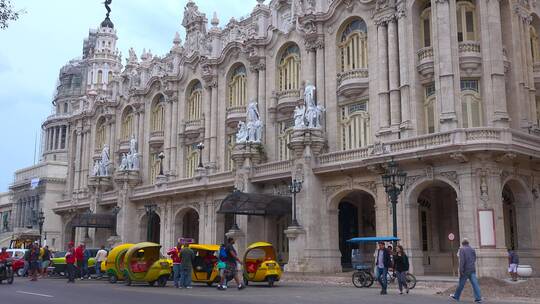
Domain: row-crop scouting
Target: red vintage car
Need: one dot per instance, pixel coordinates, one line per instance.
(18, 267)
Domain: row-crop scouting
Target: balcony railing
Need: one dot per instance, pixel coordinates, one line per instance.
(355, 74)
(273, 167)
(425, 61)
(469, 47)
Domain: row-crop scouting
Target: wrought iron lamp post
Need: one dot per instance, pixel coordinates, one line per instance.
(393, 181)
(294, 188)
(161, 156)
(150, 212)
(115, 211)
(40, 220)
(200, 147)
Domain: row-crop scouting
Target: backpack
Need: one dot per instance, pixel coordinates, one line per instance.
(223, 255)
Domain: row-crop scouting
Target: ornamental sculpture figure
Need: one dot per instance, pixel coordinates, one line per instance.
(251, 129)
(104, 163)
(130, 161)
(241, 134)
(312, 113)
(107, 7)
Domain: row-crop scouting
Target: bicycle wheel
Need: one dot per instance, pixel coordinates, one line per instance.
(359, 279)
(369, 279)
(411, 280)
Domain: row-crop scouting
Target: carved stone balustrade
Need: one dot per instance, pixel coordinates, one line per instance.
(425, 64)
(353, 82)
(470, 58)
(194, 128)
(287, 100)
(156, 138)
(234, 115)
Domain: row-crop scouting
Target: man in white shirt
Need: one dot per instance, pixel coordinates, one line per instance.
(101, 256)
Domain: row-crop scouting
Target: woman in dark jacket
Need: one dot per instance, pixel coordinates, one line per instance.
(401, 266)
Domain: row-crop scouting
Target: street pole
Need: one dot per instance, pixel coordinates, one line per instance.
(394, 219)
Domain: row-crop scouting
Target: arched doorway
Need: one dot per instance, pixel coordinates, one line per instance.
(434, 215)
(517, 211)
(150, 228)
(356, 217)
(187, 224)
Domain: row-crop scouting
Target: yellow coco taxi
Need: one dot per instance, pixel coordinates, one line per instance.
(205, 264)
(144, 263)
(260, 264)
(114, 265)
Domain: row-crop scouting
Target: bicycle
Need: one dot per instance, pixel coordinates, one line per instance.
(410, 279)
(362, 277)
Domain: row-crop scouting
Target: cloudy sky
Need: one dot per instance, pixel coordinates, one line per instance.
(34, 48)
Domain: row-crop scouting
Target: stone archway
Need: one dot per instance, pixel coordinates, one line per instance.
(150, 228)
(355, 217)
(433, 215)
(517, 215)
(186, 224)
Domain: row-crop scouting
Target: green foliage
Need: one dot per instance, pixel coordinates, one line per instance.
(8, 13)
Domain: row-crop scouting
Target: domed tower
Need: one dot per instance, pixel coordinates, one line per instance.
(102, 56)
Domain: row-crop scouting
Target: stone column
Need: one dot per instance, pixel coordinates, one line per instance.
(207, 122)
(262, 95)
(77, 162)
(214, 126)
(493, 65)
(393, 71)
(311, 62)
(406, 124)
(174, 136)
(382, 48)
(167, 136)
(252, 79)
(446, 64)
(320, 83)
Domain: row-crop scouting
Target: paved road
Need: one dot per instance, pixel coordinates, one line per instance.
(56, 291)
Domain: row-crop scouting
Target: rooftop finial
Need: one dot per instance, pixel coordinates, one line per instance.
(215, 20)
(107, 7)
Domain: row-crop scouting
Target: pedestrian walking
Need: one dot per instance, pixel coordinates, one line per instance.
(70, 263)
(101, 256)
(33, 261)
(401, 267)
(187, 257)
(174, 253)
(383, 262)
(79, 256)
(46, 261)
(231, 266)
(513, 261)
(467, 271)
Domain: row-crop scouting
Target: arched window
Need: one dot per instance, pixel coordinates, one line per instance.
(109, 77)
(194, 105)
(158, 115)
(471, 103)
(284, 137)
(535, 52)
(192, 160)
(355, 130)
(127, 125)
(101, 134)
(155, 164)
(100, 77)
(352, 46)
(65, 107)
(466, 21)
(238, 87)
(289, 69)
(425, 26)
(431, 120)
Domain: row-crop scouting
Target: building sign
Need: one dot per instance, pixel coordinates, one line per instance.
(486, 225)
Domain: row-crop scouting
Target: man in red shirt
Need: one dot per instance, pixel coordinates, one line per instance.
(4, 255)
(174, 253)
(79, 256)
(70, 261)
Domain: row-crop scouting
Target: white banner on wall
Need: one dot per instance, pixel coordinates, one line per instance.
(487, 228)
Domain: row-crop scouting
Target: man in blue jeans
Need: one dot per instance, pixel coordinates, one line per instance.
(382, 262)
(467, 271)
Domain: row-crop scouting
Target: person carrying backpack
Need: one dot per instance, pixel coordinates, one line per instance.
(231, 260)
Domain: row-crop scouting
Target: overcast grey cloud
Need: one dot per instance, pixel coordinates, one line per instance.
(34, 48)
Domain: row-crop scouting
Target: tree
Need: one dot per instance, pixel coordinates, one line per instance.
(8, 13)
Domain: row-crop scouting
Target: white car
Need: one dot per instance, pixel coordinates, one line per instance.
(17, 253)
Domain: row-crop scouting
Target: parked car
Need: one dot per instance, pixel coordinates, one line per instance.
(58, 262)
(17, 253)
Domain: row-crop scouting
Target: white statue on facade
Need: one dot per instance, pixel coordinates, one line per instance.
(105, 160)
(241, 134)
(95, 170)
(254, 124)
(312, 113)
(124, 163)
(132, 56)
(132, 145)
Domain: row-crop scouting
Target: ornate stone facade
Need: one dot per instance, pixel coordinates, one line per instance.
(457, 110)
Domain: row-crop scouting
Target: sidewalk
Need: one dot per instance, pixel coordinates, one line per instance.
(346, 277)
